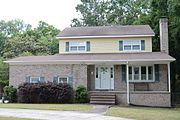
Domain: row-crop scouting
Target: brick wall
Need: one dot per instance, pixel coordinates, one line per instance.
(18, 73)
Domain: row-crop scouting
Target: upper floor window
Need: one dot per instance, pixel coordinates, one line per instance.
(132, 45)
(77, 46)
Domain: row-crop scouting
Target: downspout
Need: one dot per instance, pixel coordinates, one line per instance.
(127, 80)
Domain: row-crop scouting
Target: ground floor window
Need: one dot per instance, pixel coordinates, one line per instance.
(34, 79)
(63, 80)
(141, 73)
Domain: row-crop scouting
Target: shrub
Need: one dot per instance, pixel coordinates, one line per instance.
(45, 93)
(81, 94)
(10, 93)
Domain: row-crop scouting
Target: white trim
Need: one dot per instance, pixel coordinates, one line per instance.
(127, 78)
(63, 77)
(34, 77)
(132, 44)
(110, 36)
(65, 61)
(77, 51)
(139, 66)
(98, 80)
(169, 77)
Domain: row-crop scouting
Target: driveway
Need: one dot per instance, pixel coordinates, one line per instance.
(55, 115)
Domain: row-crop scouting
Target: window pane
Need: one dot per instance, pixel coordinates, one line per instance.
(81, 48)
(143, 73)
(150, 73)
(136, 73)
(34, 80)
(63, 80)
(130, 73)
(111, 72)
(73, 48)
(135, 42)
(127, 47)
(96, 72)
(136, 47)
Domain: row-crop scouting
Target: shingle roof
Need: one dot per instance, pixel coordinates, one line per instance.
(87, 57)
(107, 31)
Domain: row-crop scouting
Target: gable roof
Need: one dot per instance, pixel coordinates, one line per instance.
(106, 31)
(95, 57)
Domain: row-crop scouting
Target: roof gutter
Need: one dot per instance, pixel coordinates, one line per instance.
(111, 36)
(66, 61)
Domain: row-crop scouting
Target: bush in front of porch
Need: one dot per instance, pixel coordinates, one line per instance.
(81, 94)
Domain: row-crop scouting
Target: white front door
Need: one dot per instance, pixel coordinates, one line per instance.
(104, 77)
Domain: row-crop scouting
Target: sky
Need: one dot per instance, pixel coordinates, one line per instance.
(58, 13)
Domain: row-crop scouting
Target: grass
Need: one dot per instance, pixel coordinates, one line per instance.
(13, 118)
(145, 113)
(73, 107)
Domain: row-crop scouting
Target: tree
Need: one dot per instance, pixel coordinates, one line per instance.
(4, 74)
(109, 12)
(38, 41)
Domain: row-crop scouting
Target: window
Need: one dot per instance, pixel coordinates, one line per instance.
(141, 73)
(96, 72)
(34, 79)
(77, 46)
(136, 73)
(112, 72)
(132, 45)
(63, 80)
(130, 73)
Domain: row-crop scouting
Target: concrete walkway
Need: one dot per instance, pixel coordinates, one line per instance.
(55, 115)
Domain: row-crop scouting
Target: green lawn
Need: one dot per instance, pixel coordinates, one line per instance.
(13, 118)
(73, 107)
(145, 113)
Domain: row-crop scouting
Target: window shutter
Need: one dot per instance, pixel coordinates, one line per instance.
(28, 79)
(67, 46)
(42, 80)
(142, 44)
(55, 79)
(88, 46)
(120, 45)
(123, 72)
(71, 81)
(156, 72)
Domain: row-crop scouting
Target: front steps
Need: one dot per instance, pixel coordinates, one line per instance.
(102, 97)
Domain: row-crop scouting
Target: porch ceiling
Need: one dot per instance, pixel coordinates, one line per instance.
(92, 58)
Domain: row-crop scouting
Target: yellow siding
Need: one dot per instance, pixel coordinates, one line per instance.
(106, 45)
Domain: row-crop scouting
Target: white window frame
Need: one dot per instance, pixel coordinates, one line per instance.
(77, 44)
(59, 81)
(140, 73)
(131, 43)
(34, 78)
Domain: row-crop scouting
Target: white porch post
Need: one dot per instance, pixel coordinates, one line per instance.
(169, 77)
(127, 80)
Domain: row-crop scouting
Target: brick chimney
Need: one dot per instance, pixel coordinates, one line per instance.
(163, 25)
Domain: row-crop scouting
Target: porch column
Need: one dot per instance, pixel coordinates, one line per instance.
(169, 77)
(127, 80)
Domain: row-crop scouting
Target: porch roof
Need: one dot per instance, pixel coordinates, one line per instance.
(88, 58)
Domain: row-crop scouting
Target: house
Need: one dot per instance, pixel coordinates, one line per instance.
(115, 63)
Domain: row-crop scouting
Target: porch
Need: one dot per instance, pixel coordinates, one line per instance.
(126, 89)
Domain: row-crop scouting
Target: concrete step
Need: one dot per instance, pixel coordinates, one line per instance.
(103, 102)
(102, 98)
